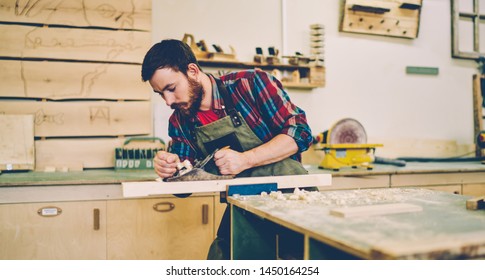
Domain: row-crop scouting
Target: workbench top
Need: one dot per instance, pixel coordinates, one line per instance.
(444, 229)
(110, 176)
(410, 168)
(88, 177)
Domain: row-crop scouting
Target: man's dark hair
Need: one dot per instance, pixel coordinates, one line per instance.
(171, 53)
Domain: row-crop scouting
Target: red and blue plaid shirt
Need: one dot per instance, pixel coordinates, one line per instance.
(260, 99)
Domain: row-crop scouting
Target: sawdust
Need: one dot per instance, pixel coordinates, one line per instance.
(339, 198)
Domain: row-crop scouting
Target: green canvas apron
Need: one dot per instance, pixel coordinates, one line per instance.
(233, 130)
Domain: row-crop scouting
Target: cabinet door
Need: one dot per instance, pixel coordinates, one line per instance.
(162, 228)
(65, 230)
(474, 189)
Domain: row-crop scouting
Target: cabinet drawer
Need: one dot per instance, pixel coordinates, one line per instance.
(160, 228)
(402, 180)
(358, 182)
(62, 230)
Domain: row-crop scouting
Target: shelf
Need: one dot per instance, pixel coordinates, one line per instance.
(242, 65)
(300, 86)
(305, 71)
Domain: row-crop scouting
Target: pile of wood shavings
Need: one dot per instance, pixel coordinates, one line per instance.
(342, 198)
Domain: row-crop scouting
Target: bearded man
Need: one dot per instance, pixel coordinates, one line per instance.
(249, 111)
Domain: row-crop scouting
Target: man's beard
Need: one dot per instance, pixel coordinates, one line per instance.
(196, 93)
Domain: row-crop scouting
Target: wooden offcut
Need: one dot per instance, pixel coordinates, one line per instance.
(73, 43)
(475, 203)
(63, 80)
(85, 118)
(76, 152)
(17, 142)
(374, 210)
(138, 189)
(118, 14)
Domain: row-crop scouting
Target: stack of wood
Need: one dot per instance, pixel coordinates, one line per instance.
(75, 67)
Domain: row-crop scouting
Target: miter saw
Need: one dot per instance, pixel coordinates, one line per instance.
(345, 144)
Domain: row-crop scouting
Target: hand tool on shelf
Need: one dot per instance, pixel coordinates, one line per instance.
(137, 153)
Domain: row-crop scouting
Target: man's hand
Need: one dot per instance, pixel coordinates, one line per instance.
(231, 162)
(165, 164)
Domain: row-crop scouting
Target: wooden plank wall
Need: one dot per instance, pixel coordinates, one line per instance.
(75, 66)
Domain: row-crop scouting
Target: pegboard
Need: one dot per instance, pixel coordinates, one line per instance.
(381, 17)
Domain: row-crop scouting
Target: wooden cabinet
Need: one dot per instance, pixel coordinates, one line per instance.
(466, 183)
(160, 228)
(144, 228)
(358, 182)
(474, 189)
(35, 231)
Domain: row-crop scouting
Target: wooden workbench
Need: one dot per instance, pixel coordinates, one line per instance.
(270, 228)
(466, 178)
(192, 223)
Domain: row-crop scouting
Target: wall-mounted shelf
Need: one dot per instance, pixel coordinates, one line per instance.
(315, 73)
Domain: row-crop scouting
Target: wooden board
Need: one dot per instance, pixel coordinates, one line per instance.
(62, 80)
(138, 189)
(396, 22)
(87, 153)
(101, 118)
(373, 210)
(74, 43)
(118, 14)
(17, 142)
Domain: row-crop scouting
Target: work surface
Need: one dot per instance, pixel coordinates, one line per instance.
(109, 176)
(444, 229)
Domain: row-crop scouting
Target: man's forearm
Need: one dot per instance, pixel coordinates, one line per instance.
(280, 147)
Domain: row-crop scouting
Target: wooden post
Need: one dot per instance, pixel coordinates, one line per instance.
(477, 110)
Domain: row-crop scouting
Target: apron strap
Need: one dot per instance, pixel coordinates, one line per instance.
(230, 109)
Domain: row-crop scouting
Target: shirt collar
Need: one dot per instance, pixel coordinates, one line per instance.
(216, 96)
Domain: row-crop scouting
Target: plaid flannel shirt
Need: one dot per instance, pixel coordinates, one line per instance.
(260, 99)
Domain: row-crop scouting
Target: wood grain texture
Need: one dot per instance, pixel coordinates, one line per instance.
(63, 80)
(17, 142)
(73, 43)
(374, 210)
(69, 235)
(444, 229)
(119, 14)
(87, 153)
(102, 118)
(137, 231)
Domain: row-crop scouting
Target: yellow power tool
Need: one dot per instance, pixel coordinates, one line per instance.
(345, 144)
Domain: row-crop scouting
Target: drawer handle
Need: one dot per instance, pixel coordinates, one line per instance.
(167, 207)
(96, 219)
(205, 214)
